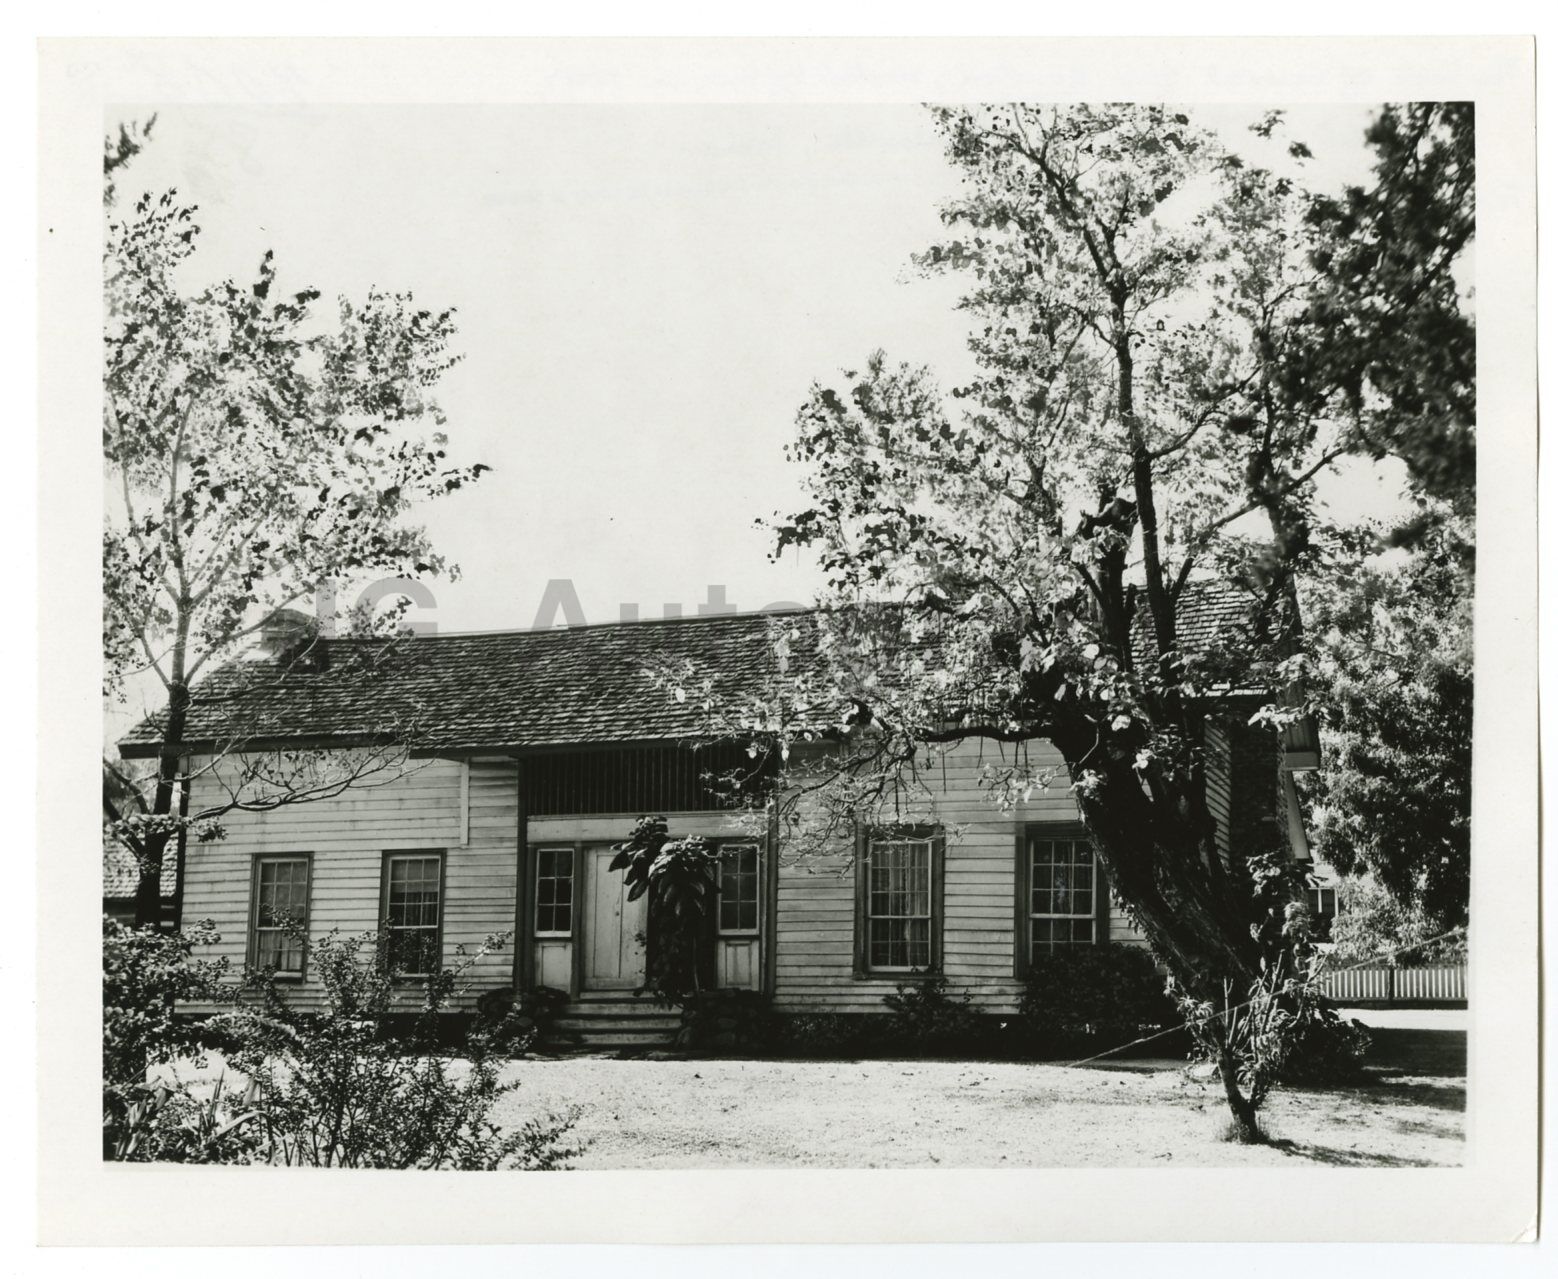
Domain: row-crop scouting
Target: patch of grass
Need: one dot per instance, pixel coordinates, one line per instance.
(1235, 1134)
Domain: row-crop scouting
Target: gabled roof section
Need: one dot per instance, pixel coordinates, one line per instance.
(1212, 615)
(122, 873)
(519, 690)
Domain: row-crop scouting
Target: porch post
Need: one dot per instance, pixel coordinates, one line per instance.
(524, 944)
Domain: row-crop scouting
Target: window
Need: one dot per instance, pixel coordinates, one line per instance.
(413, 901)
(738, 889)
(1064, 891)
(280, 915)
(1322, 905)
(899, 905)
(554, 892)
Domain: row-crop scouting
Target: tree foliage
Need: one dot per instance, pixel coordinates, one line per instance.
(257, 451)
(1172, 344)
(1375, 925)
(1393, 638)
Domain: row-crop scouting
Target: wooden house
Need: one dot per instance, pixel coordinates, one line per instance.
(535, 753)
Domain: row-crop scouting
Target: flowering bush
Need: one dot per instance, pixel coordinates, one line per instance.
(335, 1088)
(146, 973)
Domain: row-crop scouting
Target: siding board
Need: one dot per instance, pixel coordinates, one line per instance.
(348, 837)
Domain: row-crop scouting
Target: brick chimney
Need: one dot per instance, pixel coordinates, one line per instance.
(288, 637)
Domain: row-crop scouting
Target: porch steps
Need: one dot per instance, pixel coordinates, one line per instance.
(611, 1022)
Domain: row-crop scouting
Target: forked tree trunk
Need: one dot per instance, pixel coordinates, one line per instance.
(1246, 1129)
(1194, 908)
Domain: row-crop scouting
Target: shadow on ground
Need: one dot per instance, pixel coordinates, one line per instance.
(1339, 1158)
(1435, 1054)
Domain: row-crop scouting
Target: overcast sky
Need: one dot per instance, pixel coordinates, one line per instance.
(644, 296)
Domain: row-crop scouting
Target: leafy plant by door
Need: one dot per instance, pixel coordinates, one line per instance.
(681, 877)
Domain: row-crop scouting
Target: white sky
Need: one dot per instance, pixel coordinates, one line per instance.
(644, 296)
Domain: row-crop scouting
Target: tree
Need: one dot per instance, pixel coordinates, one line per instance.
(1153, 322)
(255, 453)
(1391, 617)
(1390, 608)
(1372, 924)
(1388, 311)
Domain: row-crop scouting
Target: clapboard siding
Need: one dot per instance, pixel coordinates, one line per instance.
(814, 964)
(474, 821)
(347, 838)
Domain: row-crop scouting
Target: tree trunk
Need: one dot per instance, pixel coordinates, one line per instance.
(1161, 855)
(1246, 1129)
(1160, 852)
(166, 802)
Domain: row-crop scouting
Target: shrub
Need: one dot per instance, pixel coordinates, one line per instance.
(726, 1021)
(927, 1019)
(1084, 995)
(337, 1089)
(146, 973)
(1280, 1028)
(823, 1034)
(1372, 924)
(1283, 1031)
(681, 877)
(517, 1025)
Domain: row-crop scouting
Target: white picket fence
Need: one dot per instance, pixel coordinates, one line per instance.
(1395, 987)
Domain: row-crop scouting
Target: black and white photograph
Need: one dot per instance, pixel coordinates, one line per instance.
(918, 633)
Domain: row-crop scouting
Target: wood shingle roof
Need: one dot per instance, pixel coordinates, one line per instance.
(569, 686)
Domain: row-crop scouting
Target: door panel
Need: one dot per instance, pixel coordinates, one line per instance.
(737, 967)
(613, 927)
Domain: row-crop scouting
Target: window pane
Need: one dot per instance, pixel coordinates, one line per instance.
(898, 904)
(738, 889)
(1063, 893)
(281, 906)
(411, 915)
(554, 890)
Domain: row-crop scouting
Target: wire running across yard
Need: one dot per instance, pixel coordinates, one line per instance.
(1319, 978)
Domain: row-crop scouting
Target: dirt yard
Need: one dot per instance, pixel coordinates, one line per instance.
(922, 1114)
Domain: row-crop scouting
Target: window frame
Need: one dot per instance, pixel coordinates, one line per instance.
(726, 847)
(252, 951)
(412, 854)
(865, 838)
(537, 933)
(1027, 833)
(1324, 923)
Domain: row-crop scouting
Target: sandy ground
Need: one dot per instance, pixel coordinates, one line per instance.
(921, 1114)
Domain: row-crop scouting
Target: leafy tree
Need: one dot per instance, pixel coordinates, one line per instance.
(256, 453)
(1159, 385)
(1393, 638)
(1373, 923)
(1387, 311)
